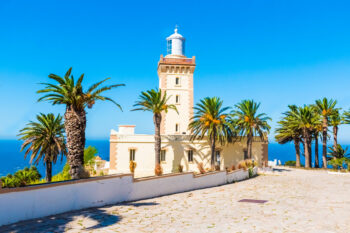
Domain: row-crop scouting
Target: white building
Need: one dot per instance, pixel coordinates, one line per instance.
(175, 73)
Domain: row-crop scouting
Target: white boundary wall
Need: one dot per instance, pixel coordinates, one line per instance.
(45, 200)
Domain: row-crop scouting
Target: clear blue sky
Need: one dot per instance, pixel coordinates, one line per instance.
(275, 52)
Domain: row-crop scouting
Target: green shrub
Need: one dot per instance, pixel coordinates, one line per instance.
(250, 172)
(21, 178)
(291, 163)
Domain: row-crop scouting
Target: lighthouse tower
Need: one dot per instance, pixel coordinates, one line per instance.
(175, 73)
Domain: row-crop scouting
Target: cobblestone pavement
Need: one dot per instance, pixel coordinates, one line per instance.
(298, 201)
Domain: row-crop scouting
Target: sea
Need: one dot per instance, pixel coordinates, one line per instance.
(11, 159)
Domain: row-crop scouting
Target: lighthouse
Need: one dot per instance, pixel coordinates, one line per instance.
(175, 72)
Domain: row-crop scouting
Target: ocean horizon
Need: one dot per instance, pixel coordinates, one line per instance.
(13, 160)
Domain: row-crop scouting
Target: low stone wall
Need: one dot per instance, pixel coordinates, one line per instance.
(37, 201)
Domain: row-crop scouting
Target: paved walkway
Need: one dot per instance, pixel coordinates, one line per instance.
(298, 201)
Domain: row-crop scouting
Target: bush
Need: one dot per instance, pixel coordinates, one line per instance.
(132, 166)
(158, 170)
(201, 168)
(242, 165)
(180, 168)
(248, 163)
(63, 175)
(250, 172)
(21, 178)
(291, 163)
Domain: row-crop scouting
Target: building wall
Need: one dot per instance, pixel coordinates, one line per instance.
(176, 147)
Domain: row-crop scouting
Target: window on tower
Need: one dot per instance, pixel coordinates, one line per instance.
(177, 128)
(177, 81)
(169, 46)
(177, 99)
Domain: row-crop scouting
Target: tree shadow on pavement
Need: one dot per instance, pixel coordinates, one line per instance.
(93, 219)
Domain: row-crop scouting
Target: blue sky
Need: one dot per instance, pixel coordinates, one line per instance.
(275, 52)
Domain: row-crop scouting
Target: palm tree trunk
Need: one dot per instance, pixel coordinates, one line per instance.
(48, 171)
(306, 149)
(157, 119)
(310, 151)
(213, 147)
(324, 142)
(249, 145)
(317, 162)
(297, 152)
(335, 135)
(75, 124)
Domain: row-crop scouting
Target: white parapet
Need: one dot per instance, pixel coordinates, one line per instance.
(18, 204)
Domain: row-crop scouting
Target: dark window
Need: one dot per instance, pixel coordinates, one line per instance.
(176, 127)
(132, 154)
(190, 155)
(245, 153)
(177, 99)
(162, 155)
(177, 81)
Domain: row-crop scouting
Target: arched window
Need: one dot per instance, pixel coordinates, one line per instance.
(177, 81)
(177, 128)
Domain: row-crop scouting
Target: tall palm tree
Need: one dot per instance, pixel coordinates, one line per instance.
(155, 101)
(45, 141)
(336, 119)
(211, 120)
(70, 93)
(250, 123)
(305, 120)
(287, 132)
(325, 108)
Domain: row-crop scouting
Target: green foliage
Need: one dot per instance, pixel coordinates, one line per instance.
(248, 121)
(89, 155)
(291, 163)
(210, 119)
(89, 158)
(325, 107)
(250, 172)
(21, 178)
(69, 92)
(155, 101)
(338, 157)
(63, 175)
(44, 139)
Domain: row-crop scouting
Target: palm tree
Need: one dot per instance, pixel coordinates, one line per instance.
(155, 101)
(325, 108)
(338, 156)
(335, 120)
(250, 123)
(305, 120)
(211, 120)
(70, 93)
(44, 139)
(287, 132)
